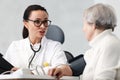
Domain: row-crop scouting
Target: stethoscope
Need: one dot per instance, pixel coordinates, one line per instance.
(35, 51)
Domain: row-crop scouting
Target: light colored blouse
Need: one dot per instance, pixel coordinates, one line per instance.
(103, 59)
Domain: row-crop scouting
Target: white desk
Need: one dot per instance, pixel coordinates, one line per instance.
(34, 77)
(69, 78)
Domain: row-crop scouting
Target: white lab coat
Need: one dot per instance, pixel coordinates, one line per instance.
(103, 59)
(19, 54)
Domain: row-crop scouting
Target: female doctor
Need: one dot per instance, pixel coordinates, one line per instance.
(35, 51)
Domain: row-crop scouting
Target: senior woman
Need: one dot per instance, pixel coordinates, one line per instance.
(103, 59)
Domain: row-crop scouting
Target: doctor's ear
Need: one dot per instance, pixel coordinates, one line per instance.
(25, 24)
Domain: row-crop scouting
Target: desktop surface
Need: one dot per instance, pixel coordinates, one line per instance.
(34, 77)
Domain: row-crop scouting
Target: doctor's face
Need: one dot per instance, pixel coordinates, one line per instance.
(37, 24)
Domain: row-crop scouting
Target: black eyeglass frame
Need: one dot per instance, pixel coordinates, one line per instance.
(38, 23)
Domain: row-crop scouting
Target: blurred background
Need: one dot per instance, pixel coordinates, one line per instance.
(67, 14)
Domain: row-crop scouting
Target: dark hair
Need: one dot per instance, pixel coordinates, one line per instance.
(26, 15)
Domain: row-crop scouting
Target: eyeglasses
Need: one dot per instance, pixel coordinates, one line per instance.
(38, 23)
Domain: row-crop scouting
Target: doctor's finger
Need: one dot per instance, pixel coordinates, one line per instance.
(14, 69)
(58, 72)
(51, 71)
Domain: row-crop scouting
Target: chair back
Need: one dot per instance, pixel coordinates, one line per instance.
(56, 33)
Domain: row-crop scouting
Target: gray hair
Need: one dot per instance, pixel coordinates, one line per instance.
(101, 15)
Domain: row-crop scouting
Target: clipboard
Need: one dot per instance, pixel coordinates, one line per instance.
(4, 65)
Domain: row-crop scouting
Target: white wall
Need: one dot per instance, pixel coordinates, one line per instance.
(65, 13)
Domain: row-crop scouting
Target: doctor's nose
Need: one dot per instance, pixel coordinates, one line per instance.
(42, 26)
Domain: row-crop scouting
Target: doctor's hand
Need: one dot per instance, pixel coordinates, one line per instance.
(14, 69)
(59, 71)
